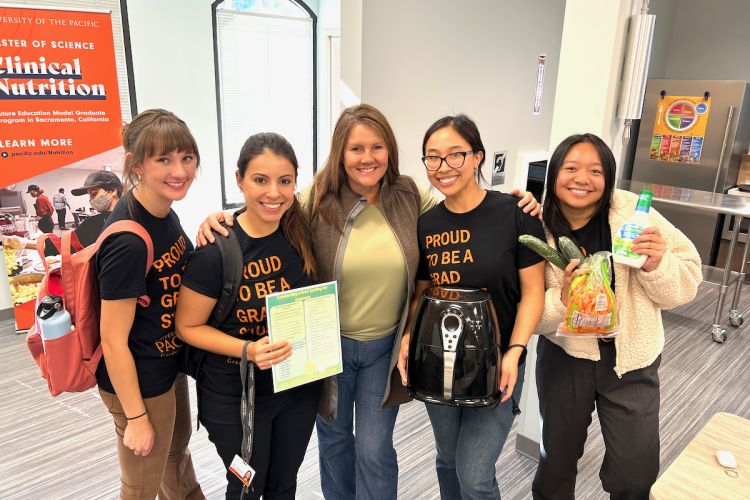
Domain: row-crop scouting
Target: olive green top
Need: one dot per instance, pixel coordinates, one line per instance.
(373, 287)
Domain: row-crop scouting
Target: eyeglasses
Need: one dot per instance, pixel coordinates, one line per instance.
(453, 160)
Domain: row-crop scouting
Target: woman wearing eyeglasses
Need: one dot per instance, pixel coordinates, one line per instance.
(364, 215)
(487, 255)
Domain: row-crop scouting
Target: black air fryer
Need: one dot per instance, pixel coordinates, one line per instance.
(453, 350)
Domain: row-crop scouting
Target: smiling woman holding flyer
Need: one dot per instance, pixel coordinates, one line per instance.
(274, 236)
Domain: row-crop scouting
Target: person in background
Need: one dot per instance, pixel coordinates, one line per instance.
(59, 201)
(469, 440)
(619, 378)
(105, 190)
(43, 208)
(138, 376)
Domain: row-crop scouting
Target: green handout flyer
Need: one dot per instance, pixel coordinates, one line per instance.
(308, 318)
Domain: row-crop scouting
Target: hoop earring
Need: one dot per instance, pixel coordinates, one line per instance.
(138, 178)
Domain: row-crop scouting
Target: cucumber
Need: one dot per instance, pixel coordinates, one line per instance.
(543, 249)
(569, 249)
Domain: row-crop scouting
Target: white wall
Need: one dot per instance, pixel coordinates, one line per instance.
(664, 12)
(696, 39)
(173, 69)
(587, 93)
(351, 50)
(329, 21)
(423, 59)
(710, 40)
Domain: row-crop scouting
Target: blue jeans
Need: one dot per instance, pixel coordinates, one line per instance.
(469, 442)
(362, 464)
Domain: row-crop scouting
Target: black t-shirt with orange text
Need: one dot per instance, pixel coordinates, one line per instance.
(121, 265)
(480, 249)
(271, 265)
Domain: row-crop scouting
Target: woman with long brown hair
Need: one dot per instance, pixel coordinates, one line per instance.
(270, 228)
(138, 375)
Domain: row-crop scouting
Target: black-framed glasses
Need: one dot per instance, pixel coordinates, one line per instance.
(453, 160)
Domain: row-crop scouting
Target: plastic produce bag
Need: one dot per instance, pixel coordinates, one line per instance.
(592, 309)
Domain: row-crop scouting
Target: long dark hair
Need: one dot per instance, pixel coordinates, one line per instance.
(332, 176)
(467, 129)
(553, 217)
(294, 224)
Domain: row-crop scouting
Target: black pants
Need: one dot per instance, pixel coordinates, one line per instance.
(569, 388)
(283, 426)
(61, 218)
(45, 224)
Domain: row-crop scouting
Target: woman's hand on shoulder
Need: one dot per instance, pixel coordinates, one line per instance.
(528, 203)
(213, 221)
(651, 243)
(139, 436)
(265, 354)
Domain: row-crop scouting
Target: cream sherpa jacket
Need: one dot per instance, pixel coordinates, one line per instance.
(640, 295)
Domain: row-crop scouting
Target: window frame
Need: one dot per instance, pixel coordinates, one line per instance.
(314, 18)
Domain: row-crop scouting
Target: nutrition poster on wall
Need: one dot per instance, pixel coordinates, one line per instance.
(308, 318)
(59, 97)
(679, 129)
(60, 106)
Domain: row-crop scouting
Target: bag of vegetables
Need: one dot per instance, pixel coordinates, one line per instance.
(592, 308)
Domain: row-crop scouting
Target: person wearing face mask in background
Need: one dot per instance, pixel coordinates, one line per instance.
(105, 190)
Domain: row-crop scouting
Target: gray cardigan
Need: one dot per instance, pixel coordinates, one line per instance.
(401, 205)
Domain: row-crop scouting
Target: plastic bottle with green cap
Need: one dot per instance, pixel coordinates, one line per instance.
(622, 246)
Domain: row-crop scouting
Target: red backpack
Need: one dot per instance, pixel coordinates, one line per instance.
(69, 363)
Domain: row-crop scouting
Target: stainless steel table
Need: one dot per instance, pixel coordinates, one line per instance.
(737, 207)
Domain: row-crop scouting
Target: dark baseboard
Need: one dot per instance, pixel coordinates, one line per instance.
(527, 447)
(7, 314)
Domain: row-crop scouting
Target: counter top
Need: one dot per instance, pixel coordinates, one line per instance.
(692, 198)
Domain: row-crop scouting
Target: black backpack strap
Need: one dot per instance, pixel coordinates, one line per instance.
(231, 256)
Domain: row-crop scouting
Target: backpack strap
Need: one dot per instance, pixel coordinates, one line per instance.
(122, 226)
(232, 264)
(75, 241)
(41, 245)
(231, 257)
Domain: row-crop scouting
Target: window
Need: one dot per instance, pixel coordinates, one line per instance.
(334, 77)
(265, 70)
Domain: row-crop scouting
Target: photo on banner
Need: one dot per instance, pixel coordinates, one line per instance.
(61, 115)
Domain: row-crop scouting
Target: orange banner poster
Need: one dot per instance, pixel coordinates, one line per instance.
(59, 97)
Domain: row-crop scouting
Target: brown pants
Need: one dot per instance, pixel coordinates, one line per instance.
(168, 469)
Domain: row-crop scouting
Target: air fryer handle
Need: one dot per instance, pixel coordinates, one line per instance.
(451, 326)
(449, 364)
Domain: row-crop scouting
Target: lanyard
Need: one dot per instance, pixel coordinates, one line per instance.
(247, 403)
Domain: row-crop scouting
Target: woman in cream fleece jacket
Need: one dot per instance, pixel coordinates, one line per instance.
(619, 378)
